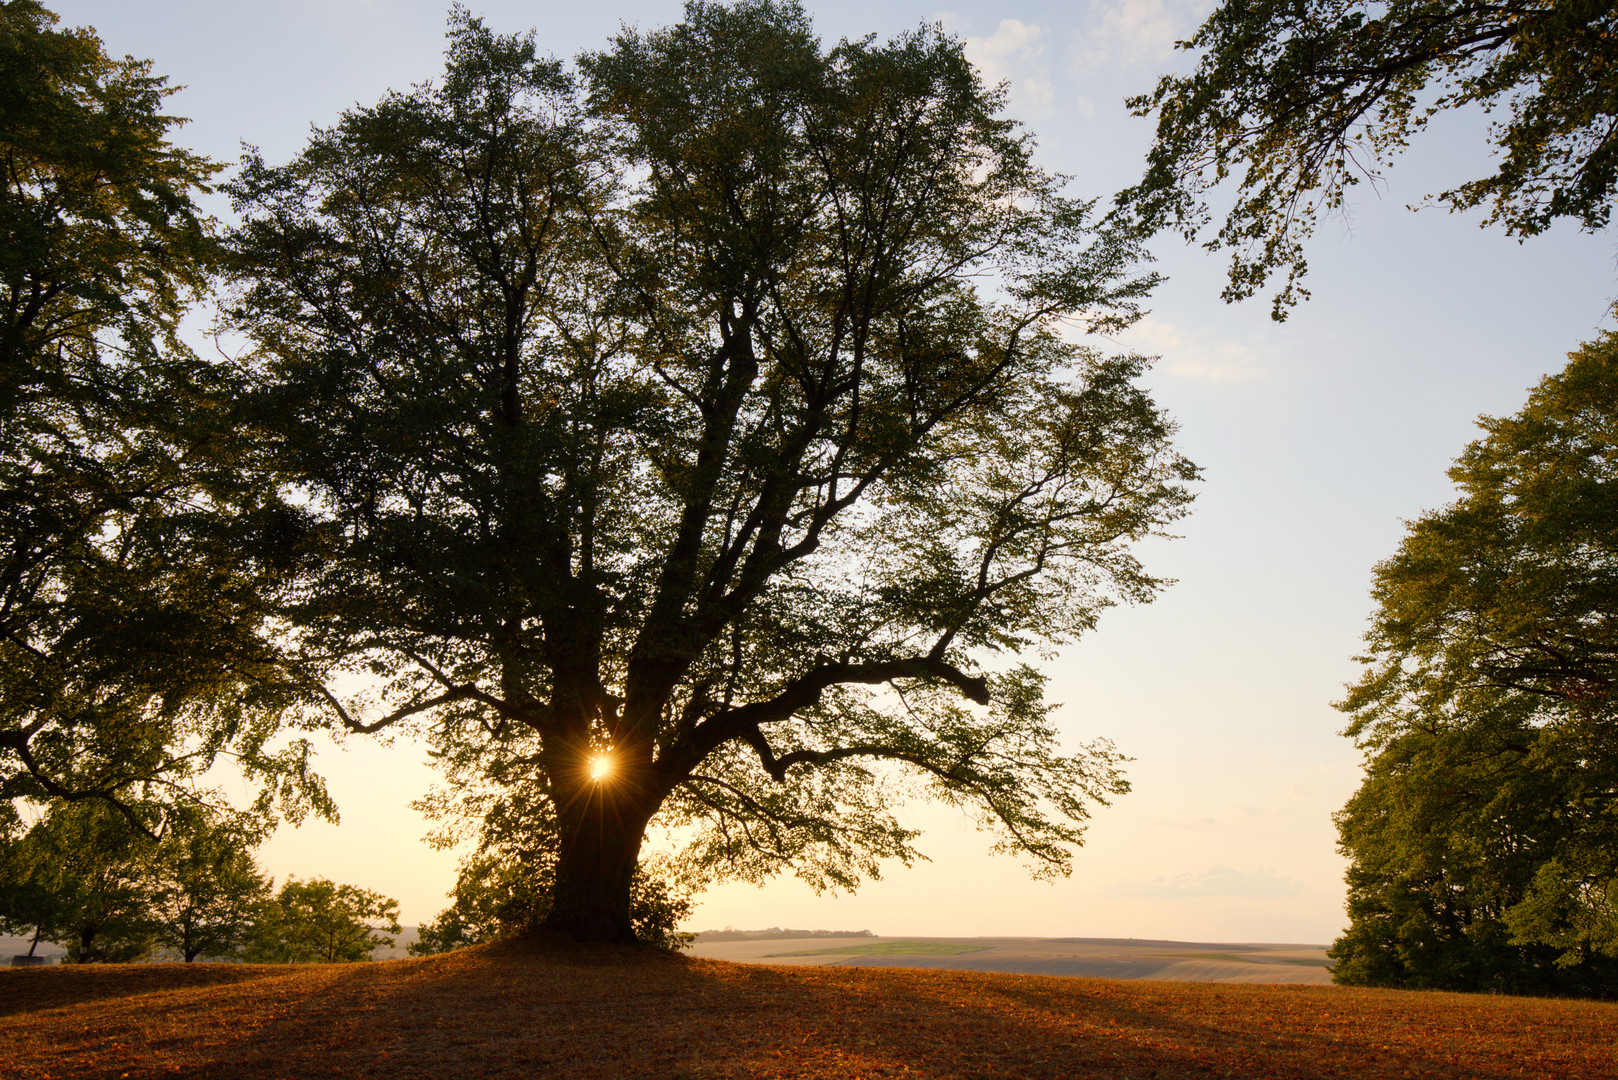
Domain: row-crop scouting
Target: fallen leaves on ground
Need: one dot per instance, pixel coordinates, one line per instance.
(537, 1010)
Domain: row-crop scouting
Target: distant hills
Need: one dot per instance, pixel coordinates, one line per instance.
(730, 933)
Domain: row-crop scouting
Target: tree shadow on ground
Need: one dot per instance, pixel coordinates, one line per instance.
(35, 989)
(542, 1011)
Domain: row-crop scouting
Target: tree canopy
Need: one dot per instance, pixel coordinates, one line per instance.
(1484, 842)
(208, 895)
(1306, 99)
(320, 921)
(700, 436)
(129, 629)
(80, 877)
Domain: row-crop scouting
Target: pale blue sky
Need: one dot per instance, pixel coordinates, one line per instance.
(1319, 436)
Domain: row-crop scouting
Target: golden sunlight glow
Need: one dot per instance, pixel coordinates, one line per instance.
(600, 767)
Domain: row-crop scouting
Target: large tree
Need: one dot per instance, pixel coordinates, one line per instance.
(1306, 99)
(1484, 841)
(128, 623)
(701, 437)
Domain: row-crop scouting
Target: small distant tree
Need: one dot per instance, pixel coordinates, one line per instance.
(25, 905)
(320, 921)
(207, 890)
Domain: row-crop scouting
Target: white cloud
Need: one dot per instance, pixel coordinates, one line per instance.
(1015, 54)
(1133, 34)
(1194, 355)
(1215, 881)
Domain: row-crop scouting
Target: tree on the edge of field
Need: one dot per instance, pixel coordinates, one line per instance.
(1484, 844)
(686, 440)
(1306, 100)
(25, 904)
(129, 625)
(207, 891)
(80, 877)
(320, 921)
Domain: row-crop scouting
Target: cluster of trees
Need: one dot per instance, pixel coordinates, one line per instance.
(1484, 839)
(694, 435)
(85, 878)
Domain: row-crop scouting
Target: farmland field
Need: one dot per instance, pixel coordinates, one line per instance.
(1107, 958)
(528, 1010)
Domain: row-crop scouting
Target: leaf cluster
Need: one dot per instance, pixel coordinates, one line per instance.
(130, 625)
(1303, 101)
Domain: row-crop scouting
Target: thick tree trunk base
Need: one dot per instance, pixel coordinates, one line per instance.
(598, 850)
(591, 925)
(542, 945)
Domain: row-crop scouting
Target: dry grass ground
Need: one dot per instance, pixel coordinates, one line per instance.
(533, 1012)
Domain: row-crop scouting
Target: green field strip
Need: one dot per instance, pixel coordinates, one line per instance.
(1232, 959)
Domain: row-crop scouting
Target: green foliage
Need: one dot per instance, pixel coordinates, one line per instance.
(1306, 99)
(207, 890)
(79, 877)
(1485, 838)
(666, 412)
(319, 921)
(129, 623)
(25, 902)
(1570, 911)
(85, 877)
(506, 887)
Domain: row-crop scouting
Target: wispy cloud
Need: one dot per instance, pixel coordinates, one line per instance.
(1195, 354)
(1015, 54)
(1126, 35)
(1215, 881)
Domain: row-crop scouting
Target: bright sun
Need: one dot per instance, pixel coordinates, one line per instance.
(600, 767)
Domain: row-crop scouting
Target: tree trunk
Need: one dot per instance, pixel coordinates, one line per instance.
(596, 858)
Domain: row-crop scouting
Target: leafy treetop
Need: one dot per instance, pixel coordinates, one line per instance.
(714, 412)
(1487, 711)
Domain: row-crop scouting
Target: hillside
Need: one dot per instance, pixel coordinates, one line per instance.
(530, 1011)
(1107, 958)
